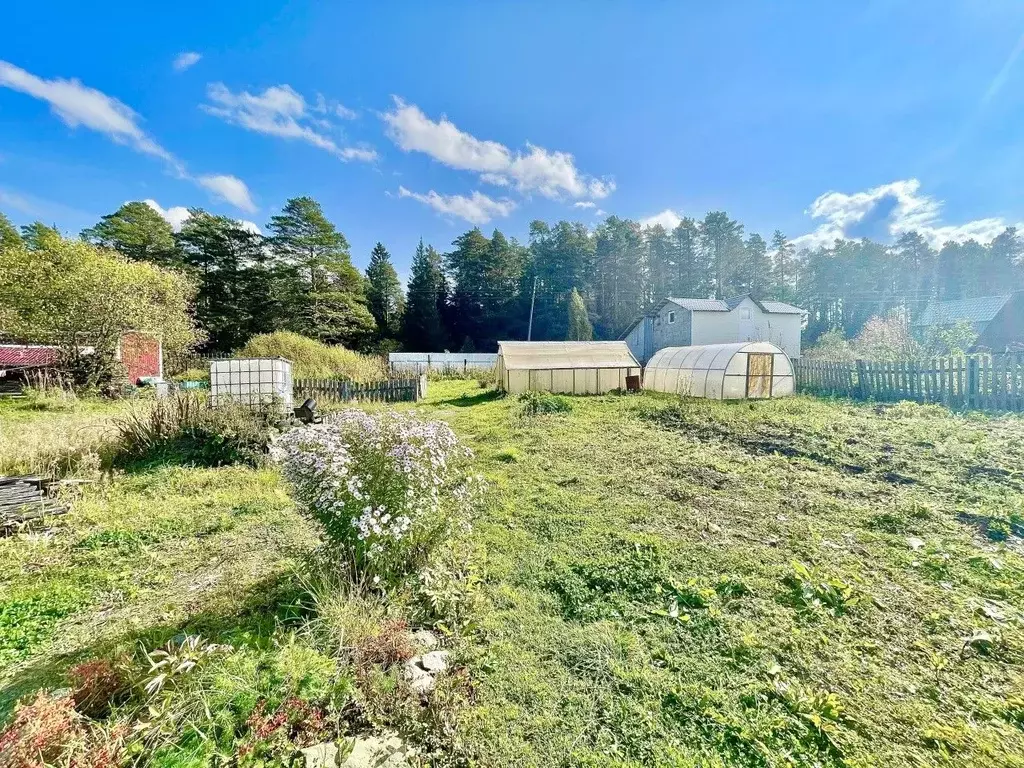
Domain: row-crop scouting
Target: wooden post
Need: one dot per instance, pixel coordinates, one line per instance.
(862, 380)
(972, 382)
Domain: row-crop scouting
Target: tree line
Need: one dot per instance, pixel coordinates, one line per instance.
(582, 282)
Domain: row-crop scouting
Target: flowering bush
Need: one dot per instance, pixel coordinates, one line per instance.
(386, 488)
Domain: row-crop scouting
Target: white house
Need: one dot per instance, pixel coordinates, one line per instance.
(690, 322)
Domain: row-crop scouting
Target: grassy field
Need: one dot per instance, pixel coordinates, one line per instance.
(798, 582)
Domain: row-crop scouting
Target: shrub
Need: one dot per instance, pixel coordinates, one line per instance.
(48, 731)
(540, 403)
(385, 488)
(96, 685)
(312, 359)
(185, 429)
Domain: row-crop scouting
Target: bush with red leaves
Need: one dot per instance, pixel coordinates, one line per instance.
(295, 724)
(97, 684)
(48, 730)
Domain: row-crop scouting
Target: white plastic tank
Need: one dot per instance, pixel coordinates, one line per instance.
(252, 381)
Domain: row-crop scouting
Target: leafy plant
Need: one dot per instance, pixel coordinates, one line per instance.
(814, 591)
(541, 403)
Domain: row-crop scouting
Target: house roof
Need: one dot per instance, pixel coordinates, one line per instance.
(978, 310)
(27, 355)
(727, 305)
(541, 355)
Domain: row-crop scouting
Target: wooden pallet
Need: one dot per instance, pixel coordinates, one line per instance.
(24, 499)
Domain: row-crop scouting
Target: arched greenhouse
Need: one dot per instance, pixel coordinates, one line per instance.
(748, 369)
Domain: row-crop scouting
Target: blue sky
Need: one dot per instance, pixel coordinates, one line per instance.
(409, 120)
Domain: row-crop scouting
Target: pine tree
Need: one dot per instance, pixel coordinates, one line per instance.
(783, 267)
(384, 292)
(757, 267)
(422, 328)
(332, 303)
(579, 324)
(9, 236)
(138, 232)
(722, 239)
(37, 236)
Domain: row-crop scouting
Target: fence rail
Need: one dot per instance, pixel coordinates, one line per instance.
(977, 382)
(444, 362)
(407, 390)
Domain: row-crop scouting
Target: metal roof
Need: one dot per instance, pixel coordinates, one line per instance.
(780, 308)
(727, 305)
(977, 310)
(27, 355)
(542, 355)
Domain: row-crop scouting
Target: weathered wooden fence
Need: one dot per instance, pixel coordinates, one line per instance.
(977, 382)
(407, 390)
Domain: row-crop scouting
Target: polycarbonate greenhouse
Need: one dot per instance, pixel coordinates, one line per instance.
(748, 369)
(568, 367)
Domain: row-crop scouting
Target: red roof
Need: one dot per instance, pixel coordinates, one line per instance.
(27, 356)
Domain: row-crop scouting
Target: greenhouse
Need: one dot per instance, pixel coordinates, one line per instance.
(748, 369)
(566, 367)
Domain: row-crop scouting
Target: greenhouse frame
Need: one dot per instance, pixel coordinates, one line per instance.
(565, 367)
(743, 370)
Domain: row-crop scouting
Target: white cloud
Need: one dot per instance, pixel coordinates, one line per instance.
(600, 212)
(230, 189)
(323, 106)
(891, 209)
(477, 209)
(77, 104)
(280, 111)
(179, 214)
(185, 60)
(668, 218)
(585, 204)
(552, 174)
(175, 216)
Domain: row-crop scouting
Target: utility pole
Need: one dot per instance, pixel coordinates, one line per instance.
(533, 300)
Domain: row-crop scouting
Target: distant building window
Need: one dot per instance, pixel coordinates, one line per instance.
(671, 317)
(745, 313)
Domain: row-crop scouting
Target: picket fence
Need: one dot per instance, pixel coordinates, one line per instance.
(975, 382)
(408, 390)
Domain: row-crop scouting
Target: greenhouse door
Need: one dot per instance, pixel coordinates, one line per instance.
(760, 368)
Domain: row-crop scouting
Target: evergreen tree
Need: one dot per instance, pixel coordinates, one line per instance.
(661, 263)
(756, 267)
(38, 237)
(9, 236)
(560, 258)
(783, 267)
(331, 306)
(228, 263)
(620, 264)
(138, 232)
(422, 328)
(384, 292)
(692, 279)
(579, 324)
(722, 239)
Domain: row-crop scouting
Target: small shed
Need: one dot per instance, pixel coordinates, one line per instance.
(565, 367)
(754, 369)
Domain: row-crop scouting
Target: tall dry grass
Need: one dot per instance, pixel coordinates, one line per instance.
(56, 437)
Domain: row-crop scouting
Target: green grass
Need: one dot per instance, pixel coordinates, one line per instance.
(765, 583)
(798, 582)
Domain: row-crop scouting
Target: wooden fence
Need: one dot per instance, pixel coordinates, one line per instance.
(392, 391)
(977, 382)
